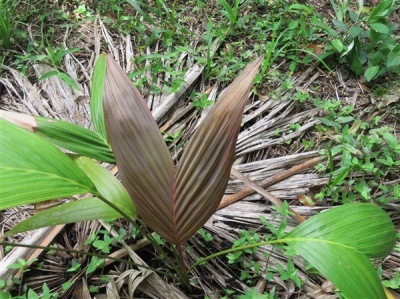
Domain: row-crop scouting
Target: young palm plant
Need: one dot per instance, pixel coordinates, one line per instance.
(175, 201)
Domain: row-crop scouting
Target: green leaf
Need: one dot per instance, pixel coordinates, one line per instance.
(6, 295)
(74, 267)
(67, 79)
(393, 58)
(95, 262)
(379, 27)
(349, 270)
(137, 7)
(337, 43)
(102, 246)
(339, 24)
(62, 53)
(48, 75)
(349, 48)
(330, 123)
(107, 185)
(32, 294)
(75, 211)
(228, 10)
(363, 188)
(337, 241)
(354, 57)
(394, 283)
(352, 225)
(33, 170)
(371, 72)
(75, 138)
(66, 285)
(344, 119)
(96, 96)
(340, 178)
(390, 139)
(380, 11)
(354, 31)
(36, 58)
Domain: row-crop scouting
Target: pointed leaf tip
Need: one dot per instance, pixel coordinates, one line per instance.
(175, 205)
(96, 96)
(144, 162)
(204, 168)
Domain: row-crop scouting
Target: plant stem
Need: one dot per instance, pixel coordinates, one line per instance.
(89, 254)
(143, 231)
(181, 260)
(149, 236)
(174, 251)
(204, 259)
(183, 274)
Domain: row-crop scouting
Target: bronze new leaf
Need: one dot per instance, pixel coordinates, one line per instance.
(175, 203)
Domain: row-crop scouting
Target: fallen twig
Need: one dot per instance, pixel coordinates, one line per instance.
(43, 236)
(297, 217)
(227, 200)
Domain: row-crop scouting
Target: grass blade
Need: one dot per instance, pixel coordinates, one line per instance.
(136, 6)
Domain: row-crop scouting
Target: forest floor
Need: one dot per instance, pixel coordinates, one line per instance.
(308, 107)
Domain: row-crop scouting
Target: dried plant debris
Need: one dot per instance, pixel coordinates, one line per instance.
(270, 142)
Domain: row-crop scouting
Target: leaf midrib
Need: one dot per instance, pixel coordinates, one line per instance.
(51, 175)
(286, 240)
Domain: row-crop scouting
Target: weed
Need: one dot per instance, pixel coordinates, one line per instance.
(53, 58)
(366, 42)
(95, 263)
(370, 154)
(74, 267)
(206, 236)
(252, 293)
(200, 101)
(7, 11)
(171, 138)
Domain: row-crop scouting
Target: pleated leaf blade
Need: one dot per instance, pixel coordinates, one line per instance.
(337, 242)
(96, 96)
(348, 269)
(107, 185)
(64, 134)
(75, 138)
(173, 203)
(33, 170)
(204, 169)
(144, 162)
(375, 234)
(75, 211)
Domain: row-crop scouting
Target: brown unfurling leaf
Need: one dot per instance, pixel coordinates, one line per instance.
(204, 169)
(174, 203)
(144, 162)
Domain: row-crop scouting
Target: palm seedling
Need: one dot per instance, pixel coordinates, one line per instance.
(175, 201)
